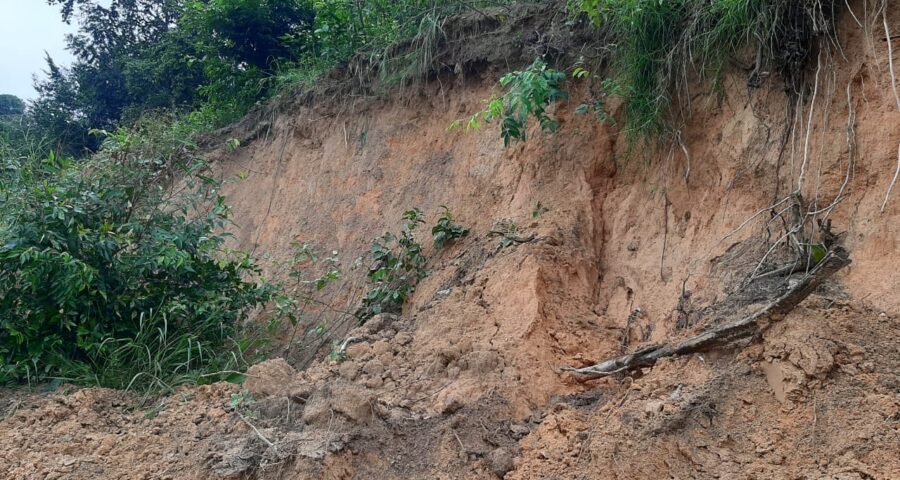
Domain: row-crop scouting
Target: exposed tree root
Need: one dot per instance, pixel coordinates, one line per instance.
(513, 238)
(743, 328)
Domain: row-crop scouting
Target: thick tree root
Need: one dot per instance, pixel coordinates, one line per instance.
(743, 328)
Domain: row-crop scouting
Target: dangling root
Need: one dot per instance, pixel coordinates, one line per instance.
(887, 35)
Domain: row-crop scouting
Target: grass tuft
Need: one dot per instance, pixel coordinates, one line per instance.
(657, 44)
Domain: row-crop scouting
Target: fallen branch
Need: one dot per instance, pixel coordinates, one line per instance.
(744, 328)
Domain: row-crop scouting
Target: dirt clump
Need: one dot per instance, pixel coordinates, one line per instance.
(826, 407)
(100, 433)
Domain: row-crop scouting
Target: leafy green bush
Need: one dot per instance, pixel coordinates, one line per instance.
(398, 262)
(445, 230)
(528, 94)
(539, 209)
(306, 299)
(508, 231)
(108, 278)
(397, 266)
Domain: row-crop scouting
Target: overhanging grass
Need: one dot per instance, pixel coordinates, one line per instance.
(657, 44)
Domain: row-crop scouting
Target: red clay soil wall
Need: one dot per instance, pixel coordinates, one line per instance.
(340, 176)
(466, 384)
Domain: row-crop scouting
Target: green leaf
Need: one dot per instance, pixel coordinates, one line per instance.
(817, 252)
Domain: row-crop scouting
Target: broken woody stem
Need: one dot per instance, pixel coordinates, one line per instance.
(743, 328)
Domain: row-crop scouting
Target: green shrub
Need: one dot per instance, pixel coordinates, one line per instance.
(108, 278)
(398, 262)
(528, 94)
(508, 232)
(306, 299)
(445, 230)
(397, 266)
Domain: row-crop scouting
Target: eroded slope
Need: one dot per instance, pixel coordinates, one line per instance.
(466, 383)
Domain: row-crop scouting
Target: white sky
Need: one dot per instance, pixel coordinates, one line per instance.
(27, 29)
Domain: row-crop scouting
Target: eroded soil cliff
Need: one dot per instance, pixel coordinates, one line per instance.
(633, 249)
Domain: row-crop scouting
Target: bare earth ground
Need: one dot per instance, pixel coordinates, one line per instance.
(466, 383)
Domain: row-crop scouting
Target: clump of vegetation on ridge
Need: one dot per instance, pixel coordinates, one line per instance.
(108, 278)
(653, 47)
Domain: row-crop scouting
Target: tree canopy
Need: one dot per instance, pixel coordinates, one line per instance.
(215, 57)
(11, 105)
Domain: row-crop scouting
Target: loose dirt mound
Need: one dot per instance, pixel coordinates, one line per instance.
(99, 433)
(818, 398)
(633, 250)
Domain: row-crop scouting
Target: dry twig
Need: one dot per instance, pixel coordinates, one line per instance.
(258, 433)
